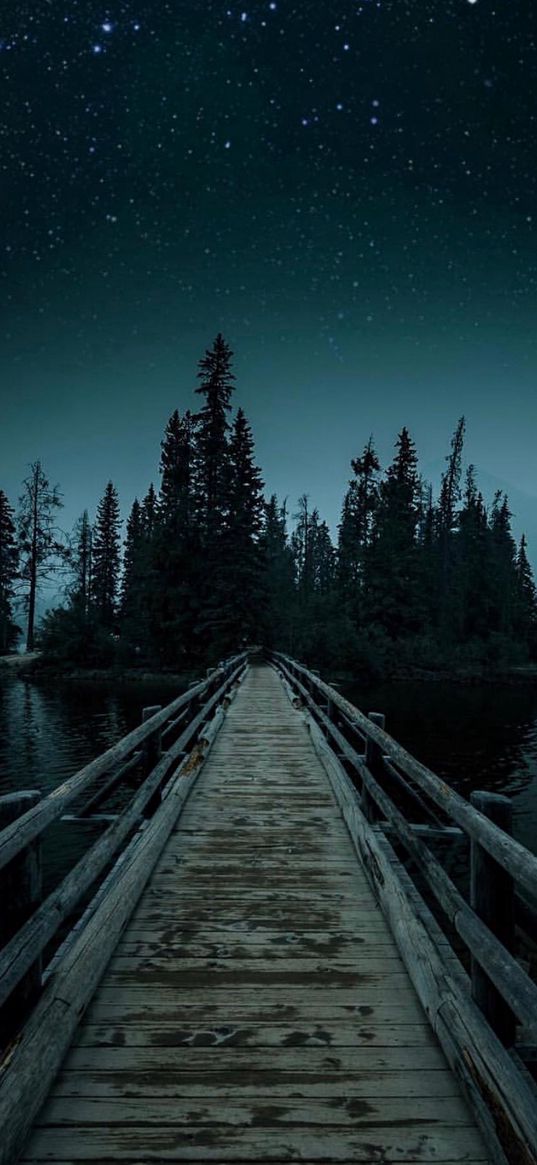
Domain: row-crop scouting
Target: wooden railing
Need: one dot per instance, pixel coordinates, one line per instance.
(486, 1020)
(28, 924)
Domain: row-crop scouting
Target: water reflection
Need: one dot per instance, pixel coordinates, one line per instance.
(473, 737)
(47, 733)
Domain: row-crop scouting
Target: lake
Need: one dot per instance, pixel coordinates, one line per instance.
(475, 737)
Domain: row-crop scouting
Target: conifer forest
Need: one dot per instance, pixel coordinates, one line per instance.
(208, 563)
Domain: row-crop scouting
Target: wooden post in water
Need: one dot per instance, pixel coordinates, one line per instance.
(152, 752)
(375, 764)
(492, 898)
(20, 894)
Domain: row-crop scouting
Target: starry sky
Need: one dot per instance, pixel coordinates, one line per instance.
(347, 191)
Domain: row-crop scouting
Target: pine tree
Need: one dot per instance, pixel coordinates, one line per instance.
(82, 563)
(41, 548)
(525, 614)
(391, 582)
(149, 512)
(468, 608)
(106, 558)
(245, 491)
(212, 449)
(278, 607)
(356, 525)
(502, 566)
(9, 559)
(130, 583)
(235, 613)
(176, 467)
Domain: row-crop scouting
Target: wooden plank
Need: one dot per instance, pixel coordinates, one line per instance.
(440, 1112)
(145, 944)
(220, 1143)
(205, 1061)
(159, 1031)
(125, 1007)
(241, 1083)
(343, 972)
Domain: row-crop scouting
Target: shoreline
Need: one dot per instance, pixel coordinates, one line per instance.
(32, 667)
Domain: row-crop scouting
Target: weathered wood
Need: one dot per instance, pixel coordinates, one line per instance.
(510, 979)
(326, 1081)
(502, 1101)
(108, 786)
(510, 854)
(17, 836)
(25, 1077)
(201, 1062)
(151, 754)
(20, 893)
(439, 1112)
(187, 1049)
(492, 898)
(225, 1144)
(17, 955)
(375, 763)
(158, 1031)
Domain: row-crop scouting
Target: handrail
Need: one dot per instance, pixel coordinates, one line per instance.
(17, 956)
(514, 985)
(510, 854)
(17, 836)
(34, 1057)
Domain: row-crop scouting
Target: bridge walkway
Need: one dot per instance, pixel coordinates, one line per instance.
(256, 1008)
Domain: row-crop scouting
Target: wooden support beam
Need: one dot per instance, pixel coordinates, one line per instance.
(20, 894)
(502, 1100)
(151, 754)
(374, 762)
(27, 1072)
(492, 898)
(16, 836)
(509, 853)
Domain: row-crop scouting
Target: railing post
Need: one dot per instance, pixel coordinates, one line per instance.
(152, 752)
(492, 898)
(330, 709)
(375, 764)
(20, 893)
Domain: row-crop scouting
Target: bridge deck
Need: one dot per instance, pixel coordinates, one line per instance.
(256, 1007)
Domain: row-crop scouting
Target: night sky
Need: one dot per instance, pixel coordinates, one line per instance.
(347, 191)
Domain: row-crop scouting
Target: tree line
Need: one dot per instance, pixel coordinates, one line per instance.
(208, 564)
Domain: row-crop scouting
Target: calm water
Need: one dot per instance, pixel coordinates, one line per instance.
(473, 737)
(47, 732)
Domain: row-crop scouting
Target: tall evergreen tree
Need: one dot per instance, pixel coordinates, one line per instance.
(525, 614)
(173, 606)
(130, 593)
(106, 558)
(236, 616)
(502, 566)
(149, 512)
(392, 596)
(212, 448)
(278, 606)
(176, 467)
(356, 526)
(82, 563)
(468, 608)
(9, 559)
(41, 548)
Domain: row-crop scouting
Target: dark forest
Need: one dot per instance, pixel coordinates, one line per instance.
(208, 564)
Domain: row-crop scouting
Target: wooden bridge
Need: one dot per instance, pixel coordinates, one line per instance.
(257, 976)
